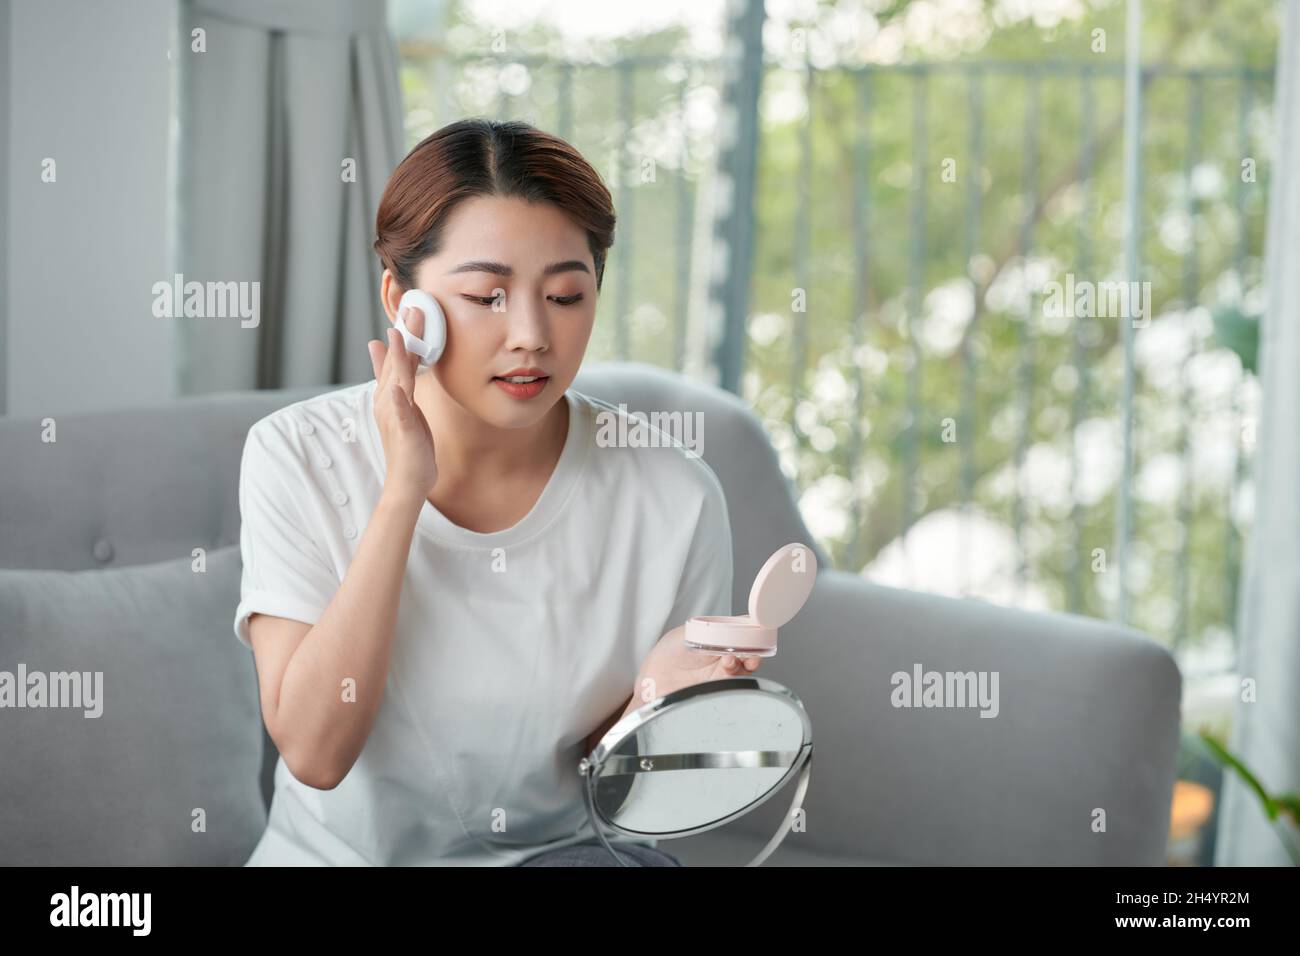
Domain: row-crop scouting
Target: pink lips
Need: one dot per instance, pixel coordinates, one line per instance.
(522, 390)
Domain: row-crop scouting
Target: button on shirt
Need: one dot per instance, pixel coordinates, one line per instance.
(510, 646)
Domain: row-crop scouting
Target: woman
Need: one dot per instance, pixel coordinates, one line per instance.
(450, 589)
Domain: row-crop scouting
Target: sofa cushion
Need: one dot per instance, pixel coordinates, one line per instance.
(166, 772)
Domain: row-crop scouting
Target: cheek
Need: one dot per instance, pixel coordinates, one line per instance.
(470, 349)
(474, 332)
(574, 331)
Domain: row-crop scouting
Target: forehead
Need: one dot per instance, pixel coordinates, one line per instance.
(501, 226)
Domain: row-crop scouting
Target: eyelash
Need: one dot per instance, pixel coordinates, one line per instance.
(557, 299)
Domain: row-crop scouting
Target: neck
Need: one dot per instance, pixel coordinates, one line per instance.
(470, 449)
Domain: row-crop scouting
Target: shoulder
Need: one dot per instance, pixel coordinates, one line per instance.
(660, 450)
(329, 423)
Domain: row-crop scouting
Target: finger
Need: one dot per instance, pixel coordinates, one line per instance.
(391, 359)
(377, 352)
(753, 663)
(385, 366)
(403, 363)
(729, 662)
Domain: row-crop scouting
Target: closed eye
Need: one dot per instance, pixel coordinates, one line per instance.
(558, 299)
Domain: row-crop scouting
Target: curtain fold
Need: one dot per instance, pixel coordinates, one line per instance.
(285, 92)
(1266, 732)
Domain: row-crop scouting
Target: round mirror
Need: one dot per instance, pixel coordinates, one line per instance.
(697, 758)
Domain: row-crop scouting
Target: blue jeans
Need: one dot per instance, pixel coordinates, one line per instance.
(593, 853)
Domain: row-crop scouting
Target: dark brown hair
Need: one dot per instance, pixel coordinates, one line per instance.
(474, 157)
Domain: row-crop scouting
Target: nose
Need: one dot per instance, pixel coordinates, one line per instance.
(527, 326)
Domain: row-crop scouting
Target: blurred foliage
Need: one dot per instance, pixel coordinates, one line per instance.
(1037, 386)
(1240, 332)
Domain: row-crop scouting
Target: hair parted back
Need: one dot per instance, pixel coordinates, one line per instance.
(478, 157)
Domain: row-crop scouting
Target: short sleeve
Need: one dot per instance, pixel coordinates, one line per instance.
(285, 572)
(705, 587)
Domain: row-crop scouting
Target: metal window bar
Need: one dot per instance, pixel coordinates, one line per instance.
(970, 241)
(1190, 296)
(802, 240)
(623, 302)
(1087, 121)
(916, 278)
(1024, 328)
(684, 213)
(862, 257)
(1133, 95)
(564, 102)
(1232, 543)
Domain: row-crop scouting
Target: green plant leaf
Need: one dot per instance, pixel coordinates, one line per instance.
(1224, 757)
(1290, 804)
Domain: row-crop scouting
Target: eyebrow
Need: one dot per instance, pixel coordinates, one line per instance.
(501, 269)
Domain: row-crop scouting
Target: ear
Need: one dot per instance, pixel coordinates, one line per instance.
(390, 294)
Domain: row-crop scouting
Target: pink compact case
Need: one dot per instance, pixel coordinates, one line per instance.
(780, 590)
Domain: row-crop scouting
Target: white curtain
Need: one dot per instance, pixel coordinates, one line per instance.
(1266, 733)
(284, 93)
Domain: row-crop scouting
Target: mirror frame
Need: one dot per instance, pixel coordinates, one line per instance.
(590, 766)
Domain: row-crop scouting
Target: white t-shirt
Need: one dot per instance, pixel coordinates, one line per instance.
(510, 647)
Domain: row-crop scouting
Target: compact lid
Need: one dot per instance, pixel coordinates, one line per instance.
(783, 585)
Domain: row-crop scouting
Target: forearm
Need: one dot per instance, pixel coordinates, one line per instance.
(327, 721)
(622, 711)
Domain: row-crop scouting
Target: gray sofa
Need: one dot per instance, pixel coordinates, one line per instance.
(119, 541)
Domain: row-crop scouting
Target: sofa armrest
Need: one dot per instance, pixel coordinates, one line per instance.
(1087, 720)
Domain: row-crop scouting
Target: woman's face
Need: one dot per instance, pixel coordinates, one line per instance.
(517, 283)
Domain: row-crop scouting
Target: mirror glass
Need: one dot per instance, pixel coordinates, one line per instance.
(700, 761)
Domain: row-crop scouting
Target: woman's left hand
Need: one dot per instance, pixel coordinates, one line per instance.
(671, 665)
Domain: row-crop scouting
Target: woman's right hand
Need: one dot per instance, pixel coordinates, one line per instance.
(408, 442)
